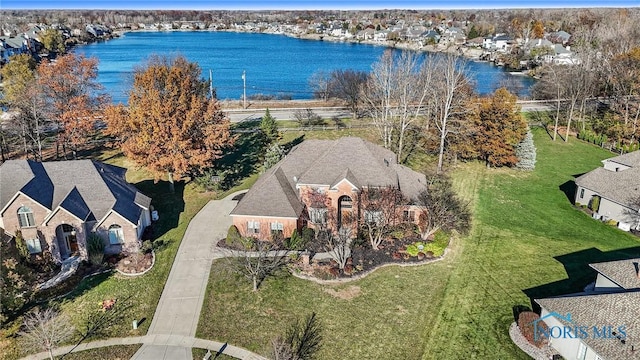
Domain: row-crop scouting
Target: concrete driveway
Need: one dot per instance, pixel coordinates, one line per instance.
(179, 308)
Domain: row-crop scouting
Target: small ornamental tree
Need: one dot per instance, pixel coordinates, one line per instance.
(381, 210)
(526, 153)
(46, 330)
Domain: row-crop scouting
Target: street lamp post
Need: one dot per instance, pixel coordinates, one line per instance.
(244, 89)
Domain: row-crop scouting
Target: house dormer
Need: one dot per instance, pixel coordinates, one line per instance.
(615, 166)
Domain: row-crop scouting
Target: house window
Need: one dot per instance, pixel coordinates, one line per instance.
(34, 246)
(582, 351)
(253, 227)
(372, 216)
(581, 193)
(116, 236)
(408, 216)
(318, 215)
(276, 226)
(25, 217)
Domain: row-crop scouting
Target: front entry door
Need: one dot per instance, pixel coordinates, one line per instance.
(70, 240)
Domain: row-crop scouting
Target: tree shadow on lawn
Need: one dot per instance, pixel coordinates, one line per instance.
(169, 205)
(245, 156)
(579, 273)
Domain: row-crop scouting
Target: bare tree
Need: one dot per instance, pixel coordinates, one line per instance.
(441, 208)
(320, 84)
(338, 245)
(381, 210)
(46, 330)
(261, 259)
(301, 341)
(451, 92)
(346, 85)
(396, 95)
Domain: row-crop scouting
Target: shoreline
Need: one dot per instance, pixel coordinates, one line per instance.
(470, 54)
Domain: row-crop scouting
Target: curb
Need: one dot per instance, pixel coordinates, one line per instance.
(153, 262)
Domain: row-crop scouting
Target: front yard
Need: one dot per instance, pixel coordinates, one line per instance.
(525, 241)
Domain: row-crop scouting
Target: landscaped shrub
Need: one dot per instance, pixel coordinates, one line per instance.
(527, 328)
(594, 204)
(146, 247)
(308, 234)
(611, 222)
(95, 246)
(295, 242)
(21, 245)
(233, 235)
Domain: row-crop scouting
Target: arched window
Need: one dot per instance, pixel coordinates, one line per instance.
(25, 217)
(116, 236)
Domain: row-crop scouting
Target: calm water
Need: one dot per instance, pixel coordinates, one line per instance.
(274, 64)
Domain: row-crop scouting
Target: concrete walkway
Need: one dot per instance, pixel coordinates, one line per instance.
(157, 347)
(178, 310)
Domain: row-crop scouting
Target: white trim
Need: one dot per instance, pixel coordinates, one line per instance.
(353, 187)
(95, 227)
(265, 216)
(14, 198)
(52, 214)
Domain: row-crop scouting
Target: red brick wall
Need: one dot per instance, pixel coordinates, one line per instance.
(265, 225)
(129, 231)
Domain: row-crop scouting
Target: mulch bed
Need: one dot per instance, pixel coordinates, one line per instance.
(131, 264)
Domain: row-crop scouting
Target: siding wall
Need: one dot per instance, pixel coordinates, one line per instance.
(567, 347)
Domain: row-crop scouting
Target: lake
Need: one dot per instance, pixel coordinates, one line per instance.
(274, 64)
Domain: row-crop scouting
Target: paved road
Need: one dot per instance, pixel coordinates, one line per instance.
(240, 115)
(285, 114)
(179, 307)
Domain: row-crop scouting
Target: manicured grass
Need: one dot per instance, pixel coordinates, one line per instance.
(526, 241)
(198, 354)
(120, 352)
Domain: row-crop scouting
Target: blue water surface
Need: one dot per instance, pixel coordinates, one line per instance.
(274, 64)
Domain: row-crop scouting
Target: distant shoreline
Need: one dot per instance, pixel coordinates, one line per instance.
(472, 54)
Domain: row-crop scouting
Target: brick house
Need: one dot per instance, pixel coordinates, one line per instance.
(57, 204)
(339, 170)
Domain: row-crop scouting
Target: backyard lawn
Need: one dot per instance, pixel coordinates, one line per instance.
(526, 240)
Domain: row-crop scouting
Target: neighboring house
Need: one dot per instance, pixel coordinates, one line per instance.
(601, 314)
(613, 190)
(559, 37)
(341, 169)
(57, 204)
(10, 46)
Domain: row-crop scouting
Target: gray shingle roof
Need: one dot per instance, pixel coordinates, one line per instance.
(621, 272)
(76, 186)
(600, 310)
(622, 187)
(629, 159)
(272, 195)
(326, 162)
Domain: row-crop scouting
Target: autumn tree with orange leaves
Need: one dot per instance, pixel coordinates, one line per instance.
(171, 126)
(498, 127)
(70, 88)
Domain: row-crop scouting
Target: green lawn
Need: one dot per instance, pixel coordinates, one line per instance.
(121, 352)
(526, 240)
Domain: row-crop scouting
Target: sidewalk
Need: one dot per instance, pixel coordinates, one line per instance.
(158, 347)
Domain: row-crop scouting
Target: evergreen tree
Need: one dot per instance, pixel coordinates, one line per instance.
(526, 153)
(269, 127)
(473, 32)
(274, 154)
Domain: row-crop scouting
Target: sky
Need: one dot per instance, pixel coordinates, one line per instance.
(306, 4)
